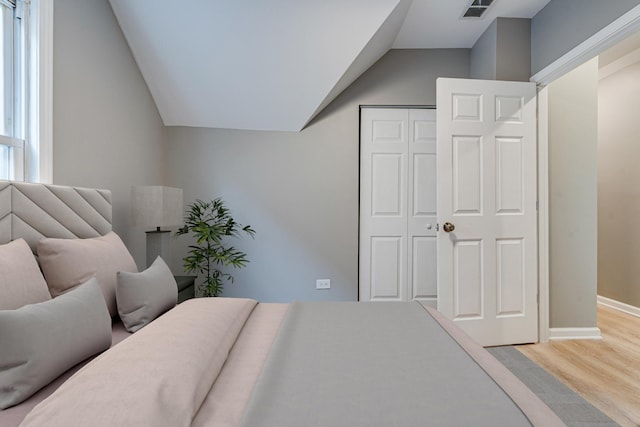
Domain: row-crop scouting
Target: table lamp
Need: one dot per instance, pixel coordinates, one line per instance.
(157, 206)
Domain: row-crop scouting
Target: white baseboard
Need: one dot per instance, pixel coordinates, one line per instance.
(620, 306)
(557, 334)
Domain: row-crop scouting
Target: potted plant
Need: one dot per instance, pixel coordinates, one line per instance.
(212, 225)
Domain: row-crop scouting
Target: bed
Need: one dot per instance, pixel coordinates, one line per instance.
(226, 361)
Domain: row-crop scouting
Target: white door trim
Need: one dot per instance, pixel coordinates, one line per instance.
(543, 216)
(622, 27)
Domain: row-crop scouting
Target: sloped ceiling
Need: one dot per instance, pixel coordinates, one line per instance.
(273, 65)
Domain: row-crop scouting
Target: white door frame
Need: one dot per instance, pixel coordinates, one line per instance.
(622, 27)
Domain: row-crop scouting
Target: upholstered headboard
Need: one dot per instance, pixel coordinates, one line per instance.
(33, 211)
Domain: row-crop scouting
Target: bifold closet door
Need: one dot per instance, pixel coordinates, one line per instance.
(398, 259)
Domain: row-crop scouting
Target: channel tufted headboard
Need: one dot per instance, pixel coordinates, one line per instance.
(33, 211)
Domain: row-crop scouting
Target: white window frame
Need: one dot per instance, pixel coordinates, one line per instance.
(39, 153)
(16, 156)
(12, 65)
(32, 158)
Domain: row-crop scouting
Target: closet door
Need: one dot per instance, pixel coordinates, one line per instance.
(397, 205)
(421, 227)
(384, 149)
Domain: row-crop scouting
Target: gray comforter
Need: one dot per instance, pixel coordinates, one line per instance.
(373, 364)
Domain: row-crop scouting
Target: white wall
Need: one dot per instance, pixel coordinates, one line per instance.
(573, 134)
(300, 190)
(618, 189)
(107, 132)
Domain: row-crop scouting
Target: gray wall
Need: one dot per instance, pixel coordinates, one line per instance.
(513, 61)
(300, 190)
(573, 235)
(484, 54)
(618, 191)
(563, 24)
(503, 51)
(107, 132)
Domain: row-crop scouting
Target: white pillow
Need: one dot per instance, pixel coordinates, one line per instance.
(141, 297)
(41, 341)
(21, 281)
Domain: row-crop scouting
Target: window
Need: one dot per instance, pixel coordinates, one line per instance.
(25, 89)
(11, 92)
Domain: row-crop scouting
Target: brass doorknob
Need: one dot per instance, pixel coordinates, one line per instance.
(448, 227)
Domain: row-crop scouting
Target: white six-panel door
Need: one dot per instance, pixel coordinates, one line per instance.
(487, 190)
(398, 259)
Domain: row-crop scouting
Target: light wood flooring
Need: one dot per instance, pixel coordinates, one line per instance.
(605, 372)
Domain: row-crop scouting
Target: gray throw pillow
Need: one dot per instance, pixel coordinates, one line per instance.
(41, 341)
(141, 297)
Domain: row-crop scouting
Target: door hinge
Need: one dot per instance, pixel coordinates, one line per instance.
(537, 205)
(437, 227)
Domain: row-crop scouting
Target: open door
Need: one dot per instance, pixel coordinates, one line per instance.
(486, 204)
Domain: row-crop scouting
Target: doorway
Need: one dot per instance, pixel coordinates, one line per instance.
(571, 306)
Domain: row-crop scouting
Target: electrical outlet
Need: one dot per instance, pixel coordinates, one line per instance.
(323, 284)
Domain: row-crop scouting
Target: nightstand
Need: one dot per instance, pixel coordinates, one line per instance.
(186, 287)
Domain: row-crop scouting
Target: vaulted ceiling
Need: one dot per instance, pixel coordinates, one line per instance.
(273, 65)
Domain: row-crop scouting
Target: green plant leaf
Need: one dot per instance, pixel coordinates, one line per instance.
(212, 225)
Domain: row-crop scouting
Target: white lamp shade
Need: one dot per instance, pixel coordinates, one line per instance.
(157, 206)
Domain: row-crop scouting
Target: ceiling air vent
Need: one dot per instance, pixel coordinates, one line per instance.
(477, 8)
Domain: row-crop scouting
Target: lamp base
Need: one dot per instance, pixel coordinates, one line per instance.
(157, 245)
